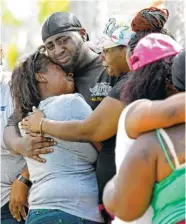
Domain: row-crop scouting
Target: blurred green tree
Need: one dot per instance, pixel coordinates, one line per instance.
(12, 54)
(47, 7)
(10, 20)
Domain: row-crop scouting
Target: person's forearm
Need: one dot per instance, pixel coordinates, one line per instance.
(96, 130)
(172, 110)
(12, 140)
(100, 125)
(155, 114)
(67, 130)
(25, 173)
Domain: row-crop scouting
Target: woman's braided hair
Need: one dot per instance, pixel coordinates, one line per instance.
(149, 20)
(23, 85)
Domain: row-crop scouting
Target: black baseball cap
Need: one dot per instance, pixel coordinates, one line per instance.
(178, 71)
(60, 22)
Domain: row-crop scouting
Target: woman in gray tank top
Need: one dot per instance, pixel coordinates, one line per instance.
(64, 189)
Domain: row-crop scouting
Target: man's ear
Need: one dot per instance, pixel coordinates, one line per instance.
(83, 34)
(40, 78)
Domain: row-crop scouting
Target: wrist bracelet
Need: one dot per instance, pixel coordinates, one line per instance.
(40, 126)
(24, 180)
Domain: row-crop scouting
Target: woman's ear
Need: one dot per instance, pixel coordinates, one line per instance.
(40, 78)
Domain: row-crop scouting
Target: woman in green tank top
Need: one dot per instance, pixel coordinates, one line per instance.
(153, 171)
(168, 199)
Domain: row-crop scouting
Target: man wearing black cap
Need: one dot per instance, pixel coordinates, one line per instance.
(66, 42)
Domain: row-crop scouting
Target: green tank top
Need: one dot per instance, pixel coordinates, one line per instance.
(168, 199)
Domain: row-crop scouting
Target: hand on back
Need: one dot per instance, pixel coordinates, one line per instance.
(33, 144)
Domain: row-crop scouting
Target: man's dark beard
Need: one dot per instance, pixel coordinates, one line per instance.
(75, 59)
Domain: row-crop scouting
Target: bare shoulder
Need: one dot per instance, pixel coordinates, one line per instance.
(147, 150)
(145, 146)
(177, 136)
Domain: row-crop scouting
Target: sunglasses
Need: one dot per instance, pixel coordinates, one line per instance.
(34, 59)
(40, 50)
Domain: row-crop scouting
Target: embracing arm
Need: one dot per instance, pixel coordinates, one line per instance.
(30, 145)
(12, 136)
(99, 126)
(128, 194)
(25, 173)
(13, 140)
(149, 115)
(19, 197)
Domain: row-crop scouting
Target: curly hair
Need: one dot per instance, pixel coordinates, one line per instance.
(150, 82)
(23, 85)
(149, 20)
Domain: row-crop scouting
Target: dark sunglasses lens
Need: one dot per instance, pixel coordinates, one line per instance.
(34, 59)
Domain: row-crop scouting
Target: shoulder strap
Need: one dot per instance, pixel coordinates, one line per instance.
(171, 146)
(162, 135)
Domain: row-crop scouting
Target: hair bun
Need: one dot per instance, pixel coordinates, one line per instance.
(151, 18)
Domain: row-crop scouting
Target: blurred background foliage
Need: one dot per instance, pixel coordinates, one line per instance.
(48, 7)
(9, 19)
(12, 54)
